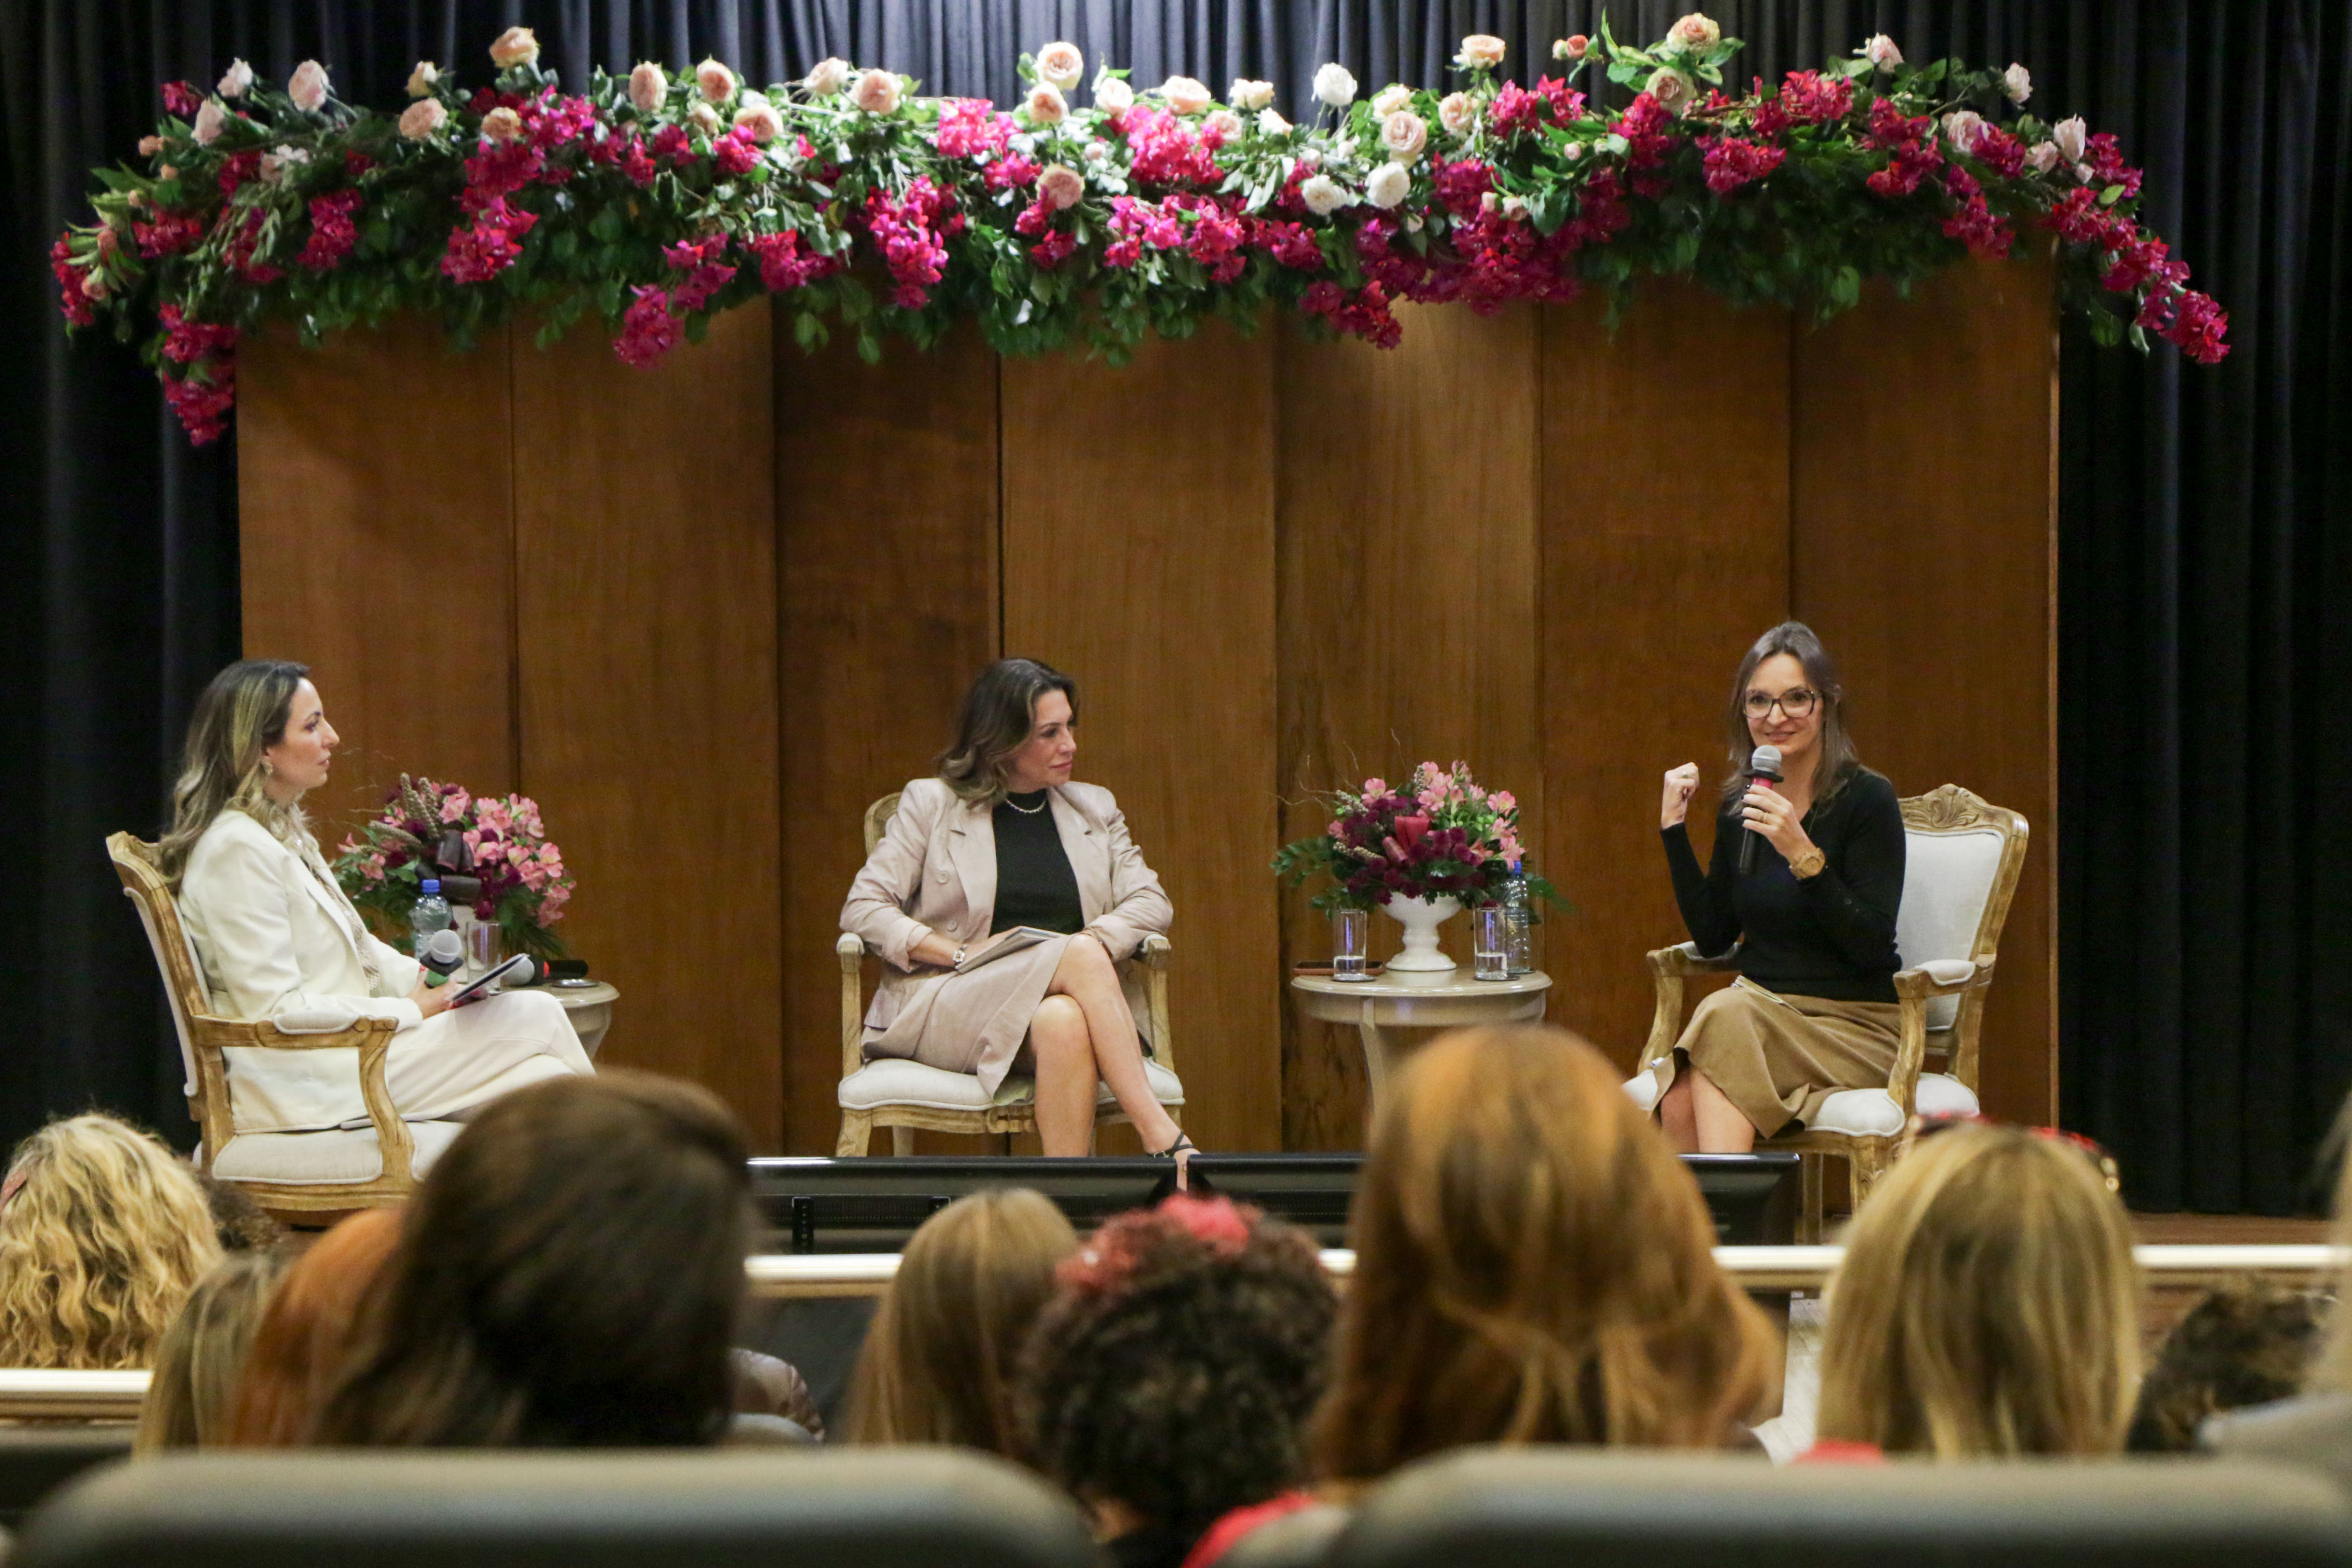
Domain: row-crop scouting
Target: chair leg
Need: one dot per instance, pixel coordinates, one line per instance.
(857, 1131)
(1809, 1216)
(902, 1141)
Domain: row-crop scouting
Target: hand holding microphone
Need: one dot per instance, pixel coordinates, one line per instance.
(1763, 773)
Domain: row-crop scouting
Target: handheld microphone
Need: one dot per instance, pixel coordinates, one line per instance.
(442, 951)
(1766, 766)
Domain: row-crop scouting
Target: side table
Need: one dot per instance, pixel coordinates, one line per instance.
(589, 1008)
(1446, 1002)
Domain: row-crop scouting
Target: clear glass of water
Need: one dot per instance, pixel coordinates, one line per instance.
(1490, 942)
(1351, 934)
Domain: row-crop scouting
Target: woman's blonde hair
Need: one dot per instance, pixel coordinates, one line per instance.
(1989, 1305)
(201, 1356)
(240, 715)
(941, 1360)
(102, 1235)
(1533, 1265)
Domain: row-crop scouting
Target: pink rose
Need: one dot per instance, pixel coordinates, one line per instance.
(423, 118)
(422, 78)
(1184, 95)
(1480, 50)
(1404, 134)
(1059, 186)
(1390, 99)
(1694, 34)
(239, 76)
(1962, 128)
(877, 92)
(1574, 46)
(150, 146)
(1674, 91)
(716, 81)
(308, 87)
(501, 125)
(93, 284)
(758, 119)
(1457, 114)
(516, 46)
(1225, 123)
(703, 118)
(647, 86)
(1046, 105)
(1882, 53)
(1062, 65)
(1112, 94)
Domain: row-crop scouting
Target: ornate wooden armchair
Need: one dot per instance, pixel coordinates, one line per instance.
(904, 1095)
(1963, 856)
(294, 1175)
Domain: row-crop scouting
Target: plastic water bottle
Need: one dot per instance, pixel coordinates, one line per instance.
(1519, 917)
(431, 915)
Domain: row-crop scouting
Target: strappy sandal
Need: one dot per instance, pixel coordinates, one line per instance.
(1183, 1145)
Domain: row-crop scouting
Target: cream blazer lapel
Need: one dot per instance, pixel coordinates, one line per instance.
(971, 850)
(1082, 843)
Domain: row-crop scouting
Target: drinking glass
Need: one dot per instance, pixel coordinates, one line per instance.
(481, 948)
(1351, 933)
(1490, 942)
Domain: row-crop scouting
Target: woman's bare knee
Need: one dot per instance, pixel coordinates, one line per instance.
(1059, 1027)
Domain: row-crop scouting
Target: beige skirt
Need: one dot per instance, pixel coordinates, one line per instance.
(974, 1021)
(1777, 1057)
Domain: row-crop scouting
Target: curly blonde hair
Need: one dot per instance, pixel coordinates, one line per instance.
(104, 1233)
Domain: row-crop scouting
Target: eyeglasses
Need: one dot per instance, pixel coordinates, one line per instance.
(1923, 1128)
(1797, 702)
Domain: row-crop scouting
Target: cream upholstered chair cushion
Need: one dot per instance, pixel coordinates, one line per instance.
(1948, 879)
(893, 1080)
(315, 1159)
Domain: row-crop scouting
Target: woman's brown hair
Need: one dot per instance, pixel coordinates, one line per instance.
(1839, 760)
(1987, 1305)
(190, 1399)
(571, 1275)
(306, 1329)
(940, 1360)
(1533, 1265)
(998, 711)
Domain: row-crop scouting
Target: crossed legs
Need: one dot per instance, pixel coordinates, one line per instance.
(1081, 1034)
(1700, 1118)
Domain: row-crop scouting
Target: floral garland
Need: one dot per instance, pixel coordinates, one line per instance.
(1439, 835)
(429, 829)
(656, 202)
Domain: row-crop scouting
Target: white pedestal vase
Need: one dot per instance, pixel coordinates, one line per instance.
(1420, 917)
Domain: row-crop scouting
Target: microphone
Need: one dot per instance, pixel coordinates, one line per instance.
(442, 951)
(1766, 766)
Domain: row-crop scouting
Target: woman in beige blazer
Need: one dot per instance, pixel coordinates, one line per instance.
(280, 939)
(1003, 839)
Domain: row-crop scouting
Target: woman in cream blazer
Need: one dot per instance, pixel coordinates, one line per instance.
(933, 895)
(278, 939)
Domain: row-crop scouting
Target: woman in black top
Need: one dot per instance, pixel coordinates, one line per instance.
(1813, 1010)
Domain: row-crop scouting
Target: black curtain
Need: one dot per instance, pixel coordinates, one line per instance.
(2205, 733)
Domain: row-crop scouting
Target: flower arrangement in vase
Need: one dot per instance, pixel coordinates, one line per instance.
(1420, 850)
(429, 829)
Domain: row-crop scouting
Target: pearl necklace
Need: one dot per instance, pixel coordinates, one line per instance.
(1024, 810)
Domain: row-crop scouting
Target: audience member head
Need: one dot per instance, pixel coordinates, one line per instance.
(103, 1232)
(939, 1359)
(190, 1399)
(2331, 1371)
(2248, 1342)
(1533, 1265)
(240, 1223)
(1170, 1378)
(999, 712)
(571, 1275)
(1987, 1305)
(306, 1329)
(241, 714)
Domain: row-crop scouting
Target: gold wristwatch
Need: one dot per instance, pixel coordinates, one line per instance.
(1808, 865)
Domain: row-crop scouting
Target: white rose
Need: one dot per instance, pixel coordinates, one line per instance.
(1413, 223)
(1098, 151)
(1572, 150)
(1515, 208)
(1390, 99)
(647, 86)
(1247, 94)
(210, 117)
(2043, 157)
(1694, 34)
(1480, 50)
(278, 160)
(1310, 158)
(2017, 82)
(1403, 134)
(1184, 95)
(1389, 185)
(717, 82)
(1323, 195)
(1673, 89)
(1272, 124)
(1112, 94)
(422, 80)
(516, 46)
(2082, 173)
(703, 118)
(877, 92)
(236, 79)
(502, 125)
(1225, 123)
(1059, 186)
(1046, 105)
(1962, 127)
(2072, 136)
(1335, 84)
(308, 87)
(1062, 65)
(1457, 114)
(1881, 52)
(828, 76)
(758, 119)
(424, 118)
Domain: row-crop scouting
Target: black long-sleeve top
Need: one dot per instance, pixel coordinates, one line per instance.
(1830, 935)
(1035, 883)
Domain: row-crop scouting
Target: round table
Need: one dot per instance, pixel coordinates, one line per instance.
(1443, 1001)
(589, 1008)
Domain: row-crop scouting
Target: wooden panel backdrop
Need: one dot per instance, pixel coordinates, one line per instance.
(706, 613)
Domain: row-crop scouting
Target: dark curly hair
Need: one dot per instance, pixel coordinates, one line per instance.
(2247, 1342)
(1175, 1370)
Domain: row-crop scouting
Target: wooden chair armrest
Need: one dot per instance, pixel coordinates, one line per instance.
(262, 1034)
(1910, 984)
(850, 948)
(1154, 953)
(1669, 967)
(371, 1036)
(1684, 959)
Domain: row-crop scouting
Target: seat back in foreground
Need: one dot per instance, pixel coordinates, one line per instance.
(877, 1508)
(1497, 1507)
